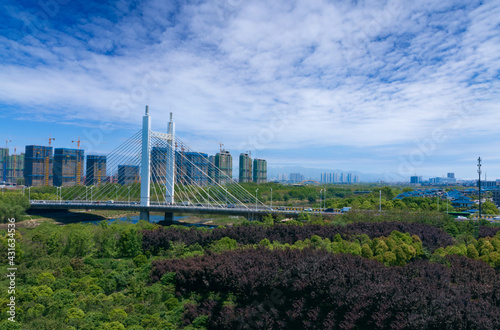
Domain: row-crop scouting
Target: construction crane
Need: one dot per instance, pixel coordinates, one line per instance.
(47, 162)
(79, 163)
(14, 174)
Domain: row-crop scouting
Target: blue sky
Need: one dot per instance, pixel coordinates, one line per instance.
(391, 87)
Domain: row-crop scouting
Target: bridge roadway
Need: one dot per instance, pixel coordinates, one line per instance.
(169, 210)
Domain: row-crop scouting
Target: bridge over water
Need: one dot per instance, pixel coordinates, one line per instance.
(157, 172)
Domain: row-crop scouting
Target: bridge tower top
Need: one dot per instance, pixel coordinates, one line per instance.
(146, 159)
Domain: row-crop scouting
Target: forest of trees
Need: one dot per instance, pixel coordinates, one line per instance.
(413, 273)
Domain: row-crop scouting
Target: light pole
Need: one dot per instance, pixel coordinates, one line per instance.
(271, 198)
(208, 195)
(324, 199)
(479, 184)
(129, 194)
(320, 200)
(91, 189)
(438, 200)
(447, 202)
(380, 201)
(256, 199)
(29, 193)
(116, 193)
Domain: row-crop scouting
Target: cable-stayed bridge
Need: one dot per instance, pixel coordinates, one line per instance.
(157, 172)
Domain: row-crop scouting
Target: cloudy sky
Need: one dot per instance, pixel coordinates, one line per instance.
(394, 87)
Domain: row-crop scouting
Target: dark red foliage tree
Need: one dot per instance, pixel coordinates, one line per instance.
(313, 289)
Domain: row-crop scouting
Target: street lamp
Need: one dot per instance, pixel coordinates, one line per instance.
(256, 199)
(320, 200)
(380, 201)
(271, 198)
(324, 199)
(447, 202)
(208, 195)
(129, 194)
(116, 193)
(91, 189)
(29, 193)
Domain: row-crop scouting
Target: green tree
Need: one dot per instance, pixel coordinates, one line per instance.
(105, 241)
(129, 243)
(366, 252)
(472, 252)
(118, 315)
(80, 241)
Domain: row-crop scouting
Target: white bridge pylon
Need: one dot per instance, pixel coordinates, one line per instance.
(154, 169)
(169, 170)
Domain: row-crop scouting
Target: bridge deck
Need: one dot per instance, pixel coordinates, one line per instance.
(203, 209)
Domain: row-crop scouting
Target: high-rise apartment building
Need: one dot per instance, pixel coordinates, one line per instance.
(96, 170)
(128, 174)
(259, 171)
(159, 162)
(415, 179)
(192, 168)
(4, 156)
(282, 177)
(224, 162)
(38, 164)
(296, 177)
(245, 168)
(211, 168)
(68, 167)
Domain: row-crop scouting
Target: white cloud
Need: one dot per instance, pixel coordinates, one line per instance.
(361, 75)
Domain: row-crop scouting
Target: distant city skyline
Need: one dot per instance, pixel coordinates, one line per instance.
(393, 88)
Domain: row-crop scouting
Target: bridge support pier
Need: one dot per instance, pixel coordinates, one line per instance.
(144, 215)
(169, 217)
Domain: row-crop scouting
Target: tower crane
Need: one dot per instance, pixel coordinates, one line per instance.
(79, 163)
(47, 162)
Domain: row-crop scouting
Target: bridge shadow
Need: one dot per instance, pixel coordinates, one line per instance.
(66, 216)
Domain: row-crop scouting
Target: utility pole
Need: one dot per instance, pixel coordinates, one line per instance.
(479, 184)
(256, 199)
(380, 201)
(271, 198)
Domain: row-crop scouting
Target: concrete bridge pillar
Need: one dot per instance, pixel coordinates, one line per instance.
(144, 215)
(169, 217)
